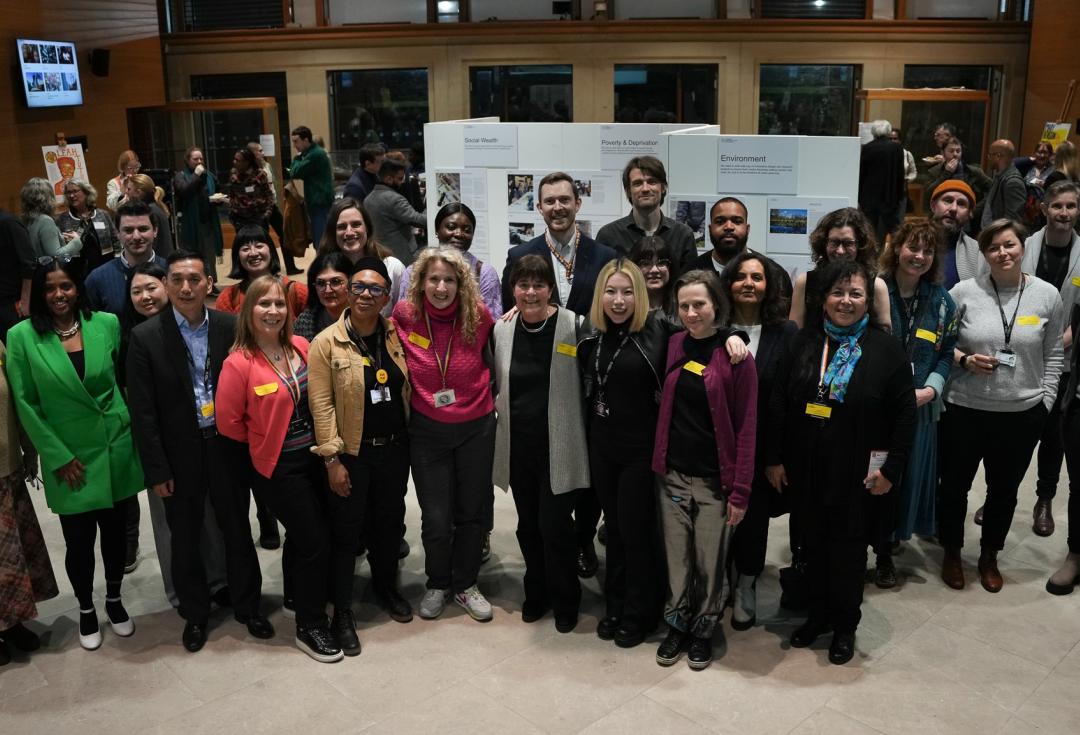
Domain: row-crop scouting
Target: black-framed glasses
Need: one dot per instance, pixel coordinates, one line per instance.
(842, 244)
(61, 258)
(644, 263)
(327, 284)
(359, 288)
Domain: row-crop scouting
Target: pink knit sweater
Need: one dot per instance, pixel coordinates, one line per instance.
(467, 375)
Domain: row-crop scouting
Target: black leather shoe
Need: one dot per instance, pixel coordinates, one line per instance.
(629, 635)
(343, 629)
(258, 626)
(1043, 518)
(269, 538)
(396, 606)
(194, 636)
(403, 549)
(842, 648)
(808, 632)
(21, 637)
(316, 641)
(532, 611)
(5, 654)
(699, 655)
(885, 573)
(565, 623)
(601, 534)
(605, 629)
(671, 650)
(587, 561)
(222, 598)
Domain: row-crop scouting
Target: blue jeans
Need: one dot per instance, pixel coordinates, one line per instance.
(317, 215)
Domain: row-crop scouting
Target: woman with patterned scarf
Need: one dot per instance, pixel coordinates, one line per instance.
(843, 426)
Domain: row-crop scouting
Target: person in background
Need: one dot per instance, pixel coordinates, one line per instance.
(107, 286)
(1007, 193)
(841, 428)
(312, 166)
(653, 257)
(38, 204)
(910, 171)
(61, 365)
(366, 176)
(1067, 576)
(1009, 358)
(275, 221)
(251, 199)
(1036, 167)
(17, 262)
(1066, 165)
(328, 294)
(445, 326)
(90, 224)
(881, 180)
(127, 165)
(953, 167)
(391, 214)
(349, 231)
(943, 132)
(200, 226)
(141, 187)
(253, 255)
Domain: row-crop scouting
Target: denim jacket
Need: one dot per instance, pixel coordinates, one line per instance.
(930, 348)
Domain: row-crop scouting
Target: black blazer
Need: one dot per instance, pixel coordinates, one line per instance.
(591, 257)
(881, 176)
(161, 398)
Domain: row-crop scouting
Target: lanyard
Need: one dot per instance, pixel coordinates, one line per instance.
(568, 266)
(443, 364)
(206, 384)
(375, 357)
(1008, 325)
(601, 377)
(824, 365)
(291, 381)
(912, 314)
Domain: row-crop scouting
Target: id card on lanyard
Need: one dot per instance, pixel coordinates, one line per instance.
(446, 396)
(1005, 356)
(820, 409)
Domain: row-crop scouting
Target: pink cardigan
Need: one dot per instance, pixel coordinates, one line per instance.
(250, 411)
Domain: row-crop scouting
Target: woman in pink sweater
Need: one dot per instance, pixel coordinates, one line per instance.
(444, 328)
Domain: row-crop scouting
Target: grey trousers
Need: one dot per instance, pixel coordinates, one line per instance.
(212, 541)
(696, 539)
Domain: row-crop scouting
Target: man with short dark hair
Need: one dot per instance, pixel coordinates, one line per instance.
(392, 217)
(173, 365)
(951, 203)
(729, 231)
(953, 166)
(645, 183)
(312, 166)
(1008, 192)
(17, 263)
(107, 286)
(366, 176)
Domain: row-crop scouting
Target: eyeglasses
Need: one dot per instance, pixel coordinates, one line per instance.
(331, 284)
(359, 288)
(646, 263)
(842, 244)
(61, 258)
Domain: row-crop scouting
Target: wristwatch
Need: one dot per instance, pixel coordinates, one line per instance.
(330, 460)
(963, 360)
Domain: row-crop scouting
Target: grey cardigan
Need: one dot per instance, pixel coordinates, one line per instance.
(393, 219)
(568, 454)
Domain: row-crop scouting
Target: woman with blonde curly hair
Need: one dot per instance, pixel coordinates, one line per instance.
(444, 328)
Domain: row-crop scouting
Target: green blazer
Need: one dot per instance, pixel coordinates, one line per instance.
(66, 418)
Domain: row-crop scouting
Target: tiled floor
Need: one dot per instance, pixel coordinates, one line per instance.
(930, 660)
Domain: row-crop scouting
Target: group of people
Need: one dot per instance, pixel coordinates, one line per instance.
(686, 399)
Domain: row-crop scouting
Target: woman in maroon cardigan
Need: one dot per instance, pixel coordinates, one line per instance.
(704, 456)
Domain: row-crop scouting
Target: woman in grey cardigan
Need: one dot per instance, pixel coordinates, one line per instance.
(1009, 358)
(38, 204)
(540, 448)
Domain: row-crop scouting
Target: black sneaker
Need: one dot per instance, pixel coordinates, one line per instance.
(671, 650)
(842, 648)
(565, 622)
(343, 628)
(316, 641)
(396, 606)
(808, 632)
(629, 635)
(605, 629)
(532, 611)
(885, 573)
(587, 562)
(699, 655)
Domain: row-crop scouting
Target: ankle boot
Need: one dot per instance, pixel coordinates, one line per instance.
(988, 571)
(1067, 577)
(744, 608)
(952, 568)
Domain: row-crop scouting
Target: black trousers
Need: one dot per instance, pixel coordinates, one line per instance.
(132, 517)
(376, 503)
(545, 532)
(626, 487)
(835, 565)
(451, 466)
(295, 493)
(1051, 447)
(1071, 434)
(220, 462)
(1004, 443)
(750, 541)
(80, 531)
(587, 509)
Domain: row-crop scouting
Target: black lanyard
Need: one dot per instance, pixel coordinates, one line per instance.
(1008, 325)
(912, 314)
(374, 357)
(601, 377)
(206, 384)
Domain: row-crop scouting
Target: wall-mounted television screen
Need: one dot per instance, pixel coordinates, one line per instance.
(49, 72)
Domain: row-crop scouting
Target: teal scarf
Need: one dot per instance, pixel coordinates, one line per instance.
(846, 357)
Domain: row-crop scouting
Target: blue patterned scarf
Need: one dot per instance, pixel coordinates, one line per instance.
(846, 357)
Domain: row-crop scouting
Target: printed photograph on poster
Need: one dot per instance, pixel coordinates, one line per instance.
(447, 187)
(519, 193)
(468, 187)
(600, 192)
(792, 219)
(522, 232)
(693, 211)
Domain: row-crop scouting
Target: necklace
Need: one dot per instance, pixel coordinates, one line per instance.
(275, 356)
(67, 333)
(568, 265)
(536, 330)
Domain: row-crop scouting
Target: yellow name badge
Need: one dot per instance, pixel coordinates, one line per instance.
(366, 362)
(207, 409)
(265, 390)
(1028, 321)
(1076, 281)
(819, 410)
(419, 340)
(926, 334)
(564, 349)
(694, 367)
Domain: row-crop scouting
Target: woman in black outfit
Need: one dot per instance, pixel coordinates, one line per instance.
(842, 424)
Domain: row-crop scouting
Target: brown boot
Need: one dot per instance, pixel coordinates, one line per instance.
(1042, 518)
(952, 568)
(988, 571)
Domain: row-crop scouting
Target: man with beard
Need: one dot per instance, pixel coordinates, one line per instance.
(1008, 192)
(391, 214)
(1053, 254)
(645, 184)
(729, 231)
(951, 204)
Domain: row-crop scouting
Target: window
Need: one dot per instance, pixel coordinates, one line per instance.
(341, 12)
(226, 86)
(665, 93)
(966, 9)
(812, 9)
(388, 106)
(522, 93)
(481, 10)
(213, 15)
(919, 119)
(635, 9)
(807, 99)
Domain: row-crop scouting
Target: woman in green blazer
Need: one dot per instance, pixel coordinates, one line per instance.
(61, 367)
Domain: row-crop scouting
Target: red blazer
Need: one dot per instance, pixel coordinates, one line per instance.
(253, 407)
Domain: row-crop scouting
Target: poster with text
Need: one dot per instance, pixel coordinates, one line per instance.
(600, 192)
(1055, 133)
(63, 163)
(491, 146)
(792, 219)
(758, 164)
(620, 143)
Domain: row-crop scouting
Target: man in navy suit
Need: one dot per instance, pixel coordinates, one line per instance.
(577, 259)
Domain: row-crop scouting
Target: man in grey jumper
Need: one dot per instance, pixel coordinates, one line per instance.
(391, 214)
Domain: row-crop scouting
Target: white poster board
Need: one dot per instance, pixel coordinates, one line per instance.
(758, 165)
(620, 143)
(491, 146)
(63, 163)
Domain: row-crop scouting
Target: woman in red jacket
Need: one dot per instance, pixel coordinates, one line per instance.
(262, 401)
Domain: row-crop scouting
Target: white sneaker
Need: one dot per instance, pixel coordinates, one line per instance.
(433, 604)
(474, 603)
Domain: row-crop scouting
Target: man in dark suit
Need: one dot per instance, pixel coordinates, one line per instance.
(576, 258)
(173, 365)
(729, 230)
(881, 180)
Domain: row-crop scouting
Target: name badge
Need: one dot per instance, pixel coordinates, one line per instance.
(265, 390)
(694, 367)
(100, 226)
(564, 349)
(819, 410)
(926, 334)
(207, 409)
(444, 398)
(1076, 281)
(380, 394)
(249, 189)
(1006, 358)
(365, 361)
(1029, 321)
(419, 340)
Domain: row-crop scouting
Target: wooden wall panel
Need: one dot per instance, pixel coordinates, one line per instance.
(129, 29)
(1052, 62)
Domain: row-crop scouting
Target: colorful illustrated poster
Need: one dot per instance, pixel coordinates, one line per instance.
(1055, 133)
(63, 163)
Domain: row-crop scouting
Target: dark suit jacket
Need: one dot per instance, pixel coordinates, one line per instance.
(162, 399)
(591, 257)
(774, 269)
(881, 176)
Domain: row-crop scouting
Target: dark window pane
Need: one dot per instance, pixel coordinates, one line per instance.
(213, 15)
(918, 120)
(807, 99)
(263, 84)
(813, 8)
(388, 106)
(665, 93)
(535, 93)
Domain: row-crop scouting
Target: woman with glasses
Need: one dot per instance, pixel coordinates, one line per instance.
(127, 165)
(844, 234)
(653, 257)
(328, 292)
(253, 256)
(61, 364)
(38, 204)
(359, 399)
(349, 231)
(93, 226)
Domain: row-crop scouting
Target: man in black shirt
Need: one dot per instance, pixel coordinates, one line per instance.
(729, 230)
(16, 267)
